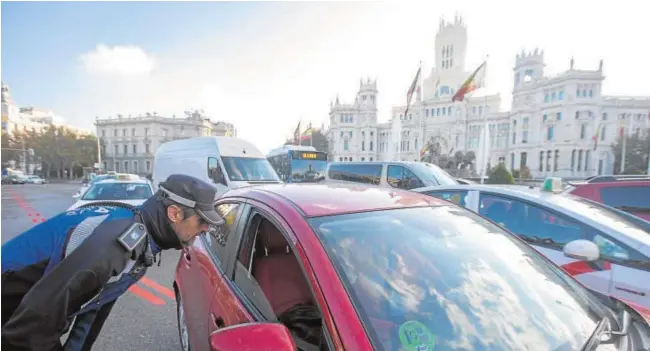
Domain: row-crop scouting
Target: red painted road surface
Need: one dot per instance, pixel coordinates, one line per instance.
(143, 289)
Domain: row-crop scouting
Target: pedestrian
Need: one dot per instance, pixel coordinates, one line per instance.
(78, 263)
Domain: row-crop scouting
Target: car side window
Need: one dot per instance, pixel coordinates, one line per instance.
(457, 197)
(532, 223)
(215, 172)
(411, 181)
(395, 176)
(627, 198)
(217, 240)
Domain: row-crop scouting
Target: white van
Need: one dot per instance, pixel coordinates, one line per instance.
(226, 162)
(401, 175)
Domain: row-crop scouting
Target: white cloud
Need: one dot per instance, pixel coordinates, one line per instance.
(126, 60)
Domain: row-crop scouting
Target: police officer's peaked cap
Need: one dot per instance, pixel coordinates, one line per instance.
(193, 193)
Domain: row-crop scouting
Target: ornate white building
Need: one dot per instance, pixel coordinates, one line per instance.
(131, 142)
(549, 129)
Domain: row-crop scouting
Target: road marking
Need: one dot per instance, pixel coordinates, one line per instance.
(159, 288)
(146, 295)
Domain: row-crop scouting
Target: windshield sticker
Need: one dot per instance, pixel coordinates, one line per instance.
(415, 336)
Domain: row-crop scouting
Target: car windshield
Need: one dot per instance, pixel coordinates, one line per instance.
(118, 191)
(444, 278)
(249, 169)
(432, 174)
(606, 216)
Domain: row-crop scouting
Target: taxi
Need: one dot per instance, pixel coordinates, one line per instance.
(328, 267)
(606, 249)
(125, 188)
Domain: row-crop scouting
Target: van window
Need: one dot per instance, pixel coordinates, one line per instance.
(214, 171)
(367, 174)
(249, 169)
(403, 178)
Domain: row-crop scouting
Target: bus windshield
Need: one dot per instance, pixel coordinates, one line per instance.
(294, 166)
(308, 166)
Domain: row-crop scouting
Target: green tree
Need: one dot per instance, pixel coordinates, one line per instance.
(59, 149)
(500, 175)
(9, 142)
(637, 148)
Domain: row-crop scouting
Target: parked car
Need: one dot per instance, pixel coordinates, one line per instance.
(14, 179)
(616, 257)
(34, 179)
(344, 267)
(629, 193)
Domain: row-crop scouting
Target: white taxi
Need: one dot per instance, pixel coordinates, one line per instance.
(125, 188)
(605, 249)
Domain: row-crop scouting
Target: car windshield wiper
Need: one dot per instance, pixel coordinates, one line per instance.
(633, 208)
(594, 339)
(537, 240)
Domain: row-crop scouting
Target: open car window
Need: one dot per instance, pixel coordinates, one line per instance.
(444, 278)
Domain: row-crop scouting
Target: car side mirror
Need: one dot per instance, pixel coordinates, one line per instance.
(253, 337)
(76, 196)
(583, 250)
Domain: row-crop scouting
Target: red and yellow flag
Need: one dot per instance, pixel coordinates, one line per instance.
(409, 94)
(469, 85)
(596, 135)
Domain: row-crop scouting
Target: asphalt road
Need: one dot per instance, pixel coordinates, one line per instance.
(145, 317)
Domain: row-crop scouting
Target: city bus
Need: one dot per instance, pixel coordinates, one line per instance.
(298, 164)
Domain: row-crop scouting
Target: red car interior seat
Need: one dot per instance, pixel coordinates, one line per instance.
(278, 272)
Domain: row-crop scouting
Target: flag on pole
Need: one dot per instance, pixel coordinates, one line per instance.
(471, 83)
(596, 135)
(308, 131)
(296, 133)
(409, 94)
(423, 150)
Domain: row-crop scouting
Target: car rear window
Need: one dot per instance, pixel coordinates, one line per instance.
(444, 278)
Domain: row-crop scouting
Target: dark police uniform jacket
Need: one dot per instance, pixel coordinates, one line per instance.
(73, 265)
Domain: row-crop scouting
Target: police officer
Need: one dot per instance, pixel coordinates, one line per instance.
(75, 265)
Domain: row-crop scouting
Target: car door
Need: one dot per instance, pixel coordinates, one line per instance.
(248, 290)
(630, 269)
(201, 270)
(547, 231)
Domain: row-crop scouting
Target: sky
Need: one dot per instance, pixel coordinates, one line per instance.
(266, 65)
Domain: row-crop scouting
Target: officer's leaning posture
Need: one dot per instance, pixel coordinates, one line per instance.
(78, 263)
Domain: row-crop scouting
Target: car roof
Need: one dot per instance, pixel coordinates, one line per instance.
(315, 200)
(536, 195)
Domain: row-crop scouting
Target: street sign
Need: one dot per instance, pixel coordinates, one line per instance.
(98, 165)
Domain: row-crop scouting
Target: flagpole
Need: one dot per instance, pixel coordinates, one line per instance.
(422, 124)
(623, 151)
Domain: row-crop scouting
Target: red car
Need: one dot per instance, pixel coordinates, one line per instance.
(626, 193)
(322, 267)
